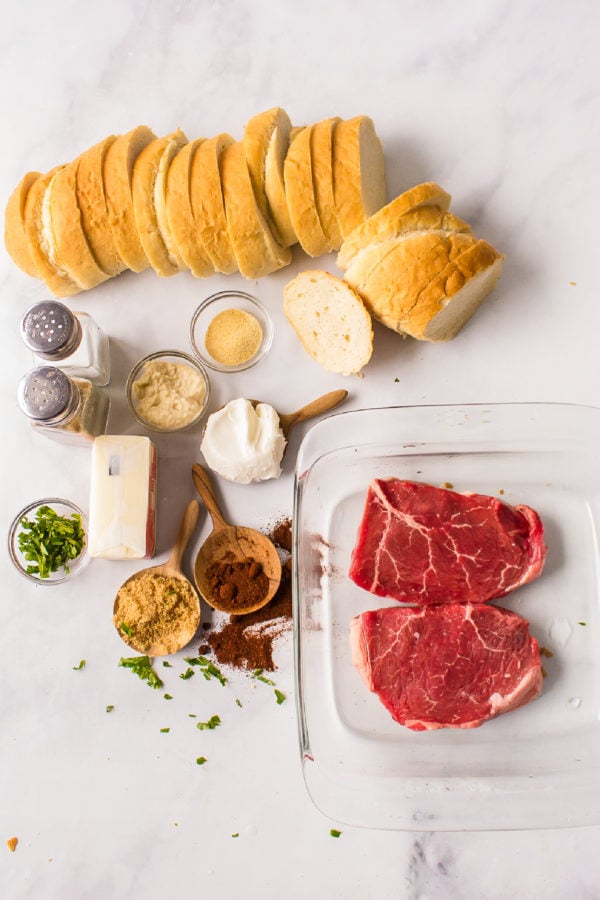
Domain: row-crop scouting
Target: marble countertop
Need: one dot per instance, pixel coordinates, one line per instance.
(499, 103)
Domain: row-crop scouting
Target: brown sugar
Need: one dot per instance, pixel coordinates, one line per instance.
(155, 608)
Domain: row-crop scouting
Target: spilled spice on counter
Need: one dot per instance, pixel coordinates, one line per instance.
(246, 641)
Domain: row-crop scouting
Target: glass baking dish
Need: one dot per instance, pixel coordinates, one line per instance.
(535, 767)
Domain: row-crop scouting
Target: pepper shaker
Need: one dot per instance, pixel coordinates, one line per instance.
(72, 410)
(71, 341)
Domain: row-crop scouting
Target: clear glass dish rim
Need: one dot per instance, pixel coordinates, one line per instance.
(266, 342)
(138, 367)
(79, 561)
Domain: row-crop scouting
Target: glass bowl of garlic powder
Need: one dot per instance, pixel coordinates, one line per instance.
(231, 331)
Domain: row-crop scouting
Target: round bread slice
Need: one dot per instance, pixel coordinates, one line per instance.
(208, 206)
(38, 230)
(384, 223)
(180, 217)
(275, 186)
(300, 195)
(321, 154)
(359, 188)
(117, 173)
(258, 133)
(91, 200)
(330, 320)
(147, 190)
(72, 248)
(177, 141)
(256, 250)
(15, 239)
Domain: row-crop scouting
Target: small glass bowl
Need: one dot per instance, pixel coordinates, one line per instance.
(218, 303)
(63, 508)
(173, 356)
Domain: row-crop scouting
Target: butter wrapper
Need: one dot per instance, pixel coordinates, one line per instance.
(122, 520)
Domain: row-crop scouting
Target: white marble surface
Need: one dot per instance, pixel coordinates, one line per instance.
(496, 101)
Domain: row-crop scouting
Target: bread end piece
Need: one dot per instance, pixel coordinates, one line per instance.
(330, 320)
(15, 239)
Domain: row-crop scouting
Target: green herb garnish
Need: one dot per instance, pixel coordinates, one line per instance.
(238, 701)
(208, 669)
(126, 629)
(280, 697)
(258, 674)
(212, 723)
(110, 707)
(80, 666)
(51, 541)
(167, 697)
(201, 760)
(334, 832)
(235, 834)
(165, 730)
(582, 623)
(187, 674)
(142, 666)
(166, 664)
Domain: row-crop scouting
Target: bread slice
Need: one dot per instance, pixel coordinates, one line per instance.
(385, 223)
(117, 173)
(256, 251)
(208, 207)
(258, 134)
(330, 320)
(358, 172)
(70, 243)
(300, 195)
(321, 154)
(91, 200)
(38, 230)
(147, 190)
(180, 217)
(274, 183)
(15, 238)
(176, 142)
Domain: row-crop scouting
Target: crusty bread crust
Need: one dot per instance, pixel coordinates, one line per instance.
(15, 238)
(117, 174)
(330, 320)
(91, 200)
(70, 241)
(258, 133)
(178, 208)
(256, 250)
(358, 172)
(385, 223)
(321, 152)
(208, 206)
(300, 195)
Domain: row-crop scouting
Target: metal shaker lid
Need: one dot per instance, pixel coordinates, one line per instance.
(51, 330)
(46, 394)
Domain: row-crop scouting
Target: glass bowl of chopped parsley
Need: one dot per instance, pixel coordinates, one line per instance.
(47, 541)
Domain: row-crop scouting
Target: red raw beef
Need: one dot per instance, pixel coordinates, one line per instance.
(422, 544)
(448, 666)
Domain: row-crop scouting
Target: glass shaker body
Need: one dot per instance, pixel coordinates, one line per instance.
(71, 341)
(70, 410)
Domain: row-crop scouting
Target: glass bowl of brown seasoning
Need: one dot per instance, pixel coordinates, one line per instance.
(231, 331)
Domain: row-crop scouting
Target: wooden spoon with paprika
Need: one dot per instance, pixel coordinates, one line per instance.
(237, 569)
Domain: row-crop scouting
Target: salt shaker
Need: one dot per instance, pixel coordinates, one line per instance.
(71, 341)
(72, 410)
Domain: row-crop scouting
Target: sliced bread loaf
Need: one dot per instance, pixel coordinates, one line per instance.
(147, 189)
(180, 216)
(359, 188)
(300, 195)
(331, 321)
(117, 174)
(321, 153)
(91, 200)
(208, 206)
(275, 185)
(257, 252)
(69, 238)
(15, 238)
(176, 142)
(258, 135)
(385, 223)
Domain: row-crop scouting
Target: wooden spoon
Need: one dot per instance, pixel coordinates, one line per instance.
(170, 639)
(314, 408)
(227, 543)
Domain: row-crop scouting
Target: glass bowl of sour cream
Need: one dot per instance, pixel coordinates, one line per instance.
(168, 391)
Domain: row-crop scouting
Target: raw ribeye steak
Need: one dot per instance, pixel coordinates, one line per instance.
(448, 666)
(422, 544)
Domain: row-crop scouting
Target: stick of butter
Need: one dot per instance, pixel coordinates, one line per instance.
(122, 521)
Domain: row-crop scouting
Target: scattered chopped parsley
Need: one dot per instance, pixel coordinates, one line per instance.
(51, 541)
(258, 674)
(235, 834)
(126, 629)
(110, 707)
(165, 730)
(187, 674)
(80, 666)
(582, 623)
(167, 697)
(280, 697)
(334, 832)
(166, 664)
(396, 380)
(192, 715)
(208, 669)
(212, 723)
(142, 666)
(201, 760)
(238, 701)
